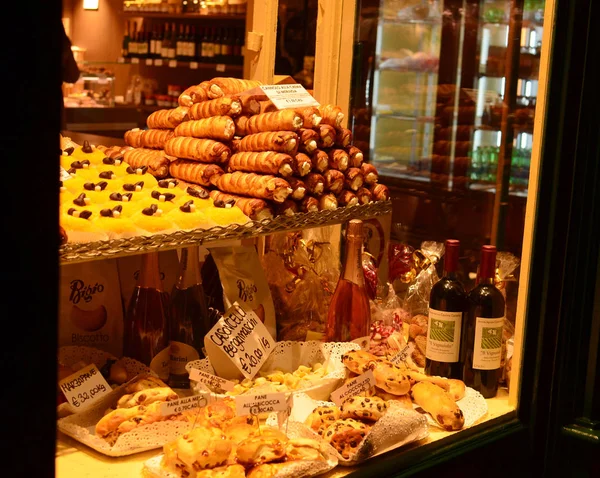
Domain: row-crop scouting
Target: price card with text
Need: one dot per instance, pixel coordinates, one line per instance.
(149, 61)
(135, 61)
(193, 65)
(260, 403)
(158, 62)
(172, 63)
(212, 380)
(353, 387)
(401, 356)
(84, 387)
(120, 60)
(239, 342)
(289, 95)
(184, 404)
(220, 67)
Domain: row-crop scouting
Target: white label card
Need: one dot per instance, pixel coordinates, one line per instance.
(64, 175)
(84, 387)
(193, 65)
(403, 354)
(135, 61)
(220, 67)
(158, 62)
(260, 403)
(172, 63)
(443, 336)
(182, 405)
(241, 339)
(487, 350)
(212, 380)
(149, 61)
(289, 96)
(356, 386)
(120, 60)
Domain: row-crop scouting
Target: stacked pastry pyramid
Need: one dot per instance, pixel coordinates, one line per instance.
(225, 155)
(228, 138)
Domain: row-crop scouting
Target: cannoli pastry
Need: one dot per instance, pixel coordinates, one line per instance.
(298, 188)
(320, 161)
(220, 128)
(154, 161)
(343, 138)
(254, 185)
(194, 94)
(364, 196)
(190, 215)
(255, 209)
(354, 179)
(347, 198)
(230, 86)
(167, 118)
(152, 220)
(289, 207)
(310, 116)
(199, 449)
(328, 202)
(278, 141)
(267, 106)
(327, 135)
(334, 181)
(369, 173)
(356, 157)
(282, 120)
(250, 105)
(309, 204)
(380, 192)
(203, 150)
(315, 183)
(338, 159)
(226, 106)
(331, 115)
(302, 165)
(148, 138)
(309, 139)
(265, 162)
(194, 172)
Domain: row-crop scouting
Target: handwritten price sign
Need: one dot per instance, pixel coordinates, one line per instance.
(182, 405)
(214, 382)
(241, 339)
(260, 403)
(84, 387)
(289, 96)
(356, 386)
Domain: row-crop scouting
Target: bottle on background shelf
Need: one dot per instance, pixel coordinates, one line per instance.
(208, 44)
(146, 330)
(172, 42)
(447, 313)
(200, 45)
(482, 337)
(217, 55)
(126, 40)
(133, 41)
(191, 44)
(226, 46)
(180, 43)
(349, 315)
(189, 316)
(164, 44)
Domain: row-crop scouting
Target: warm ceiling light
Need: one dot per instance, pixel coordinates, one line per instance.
(90, 4)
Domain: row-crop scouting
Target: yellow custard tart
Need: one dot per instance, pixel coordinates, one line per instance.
(151, 218)
(188, 216)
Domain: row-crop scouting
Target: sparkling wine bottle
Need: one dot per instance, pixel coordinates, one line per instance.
(189, 318)
(349, 314)
(146, 334)
(482, 337)
(447, 312)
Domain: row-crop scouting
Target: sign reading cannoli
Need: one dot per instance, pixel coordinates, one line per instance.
(84, 387)
(353, 387)
(239, 342)
(289, 95)
(260, 403)
(211, 380)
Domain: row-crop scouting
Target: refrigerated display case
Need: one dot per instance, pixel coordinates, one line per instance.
(551, 404)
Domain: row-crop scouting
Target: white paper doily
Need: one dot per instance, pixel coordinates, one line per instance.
(396, 428)
(71, 354)
(473, 406)
(81, 426)
(287, 356)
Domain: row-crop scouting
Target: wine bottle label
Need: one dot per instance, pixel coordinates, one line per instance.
(161, 363)
(443, 336)
(181, 354)
(487, 352)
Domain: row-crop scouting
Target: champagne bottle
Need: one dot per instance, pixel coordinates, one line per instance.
(189, 317)
(349, 314)
(146, 331)
(482, 337)
(447, 312)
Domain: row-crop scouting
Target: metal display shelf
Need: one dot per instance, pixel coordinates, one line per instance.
(89, 251)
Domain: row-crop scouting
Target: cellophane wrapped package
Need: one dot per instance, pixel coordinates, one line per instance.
(302, 270)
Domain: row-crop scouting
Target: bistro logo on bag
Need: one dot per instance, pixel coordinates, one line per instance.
(90, 306)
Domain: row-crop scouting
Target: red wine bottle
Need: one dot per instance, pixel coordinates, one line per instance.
(447, 313)
(349, 315)
(482, 337)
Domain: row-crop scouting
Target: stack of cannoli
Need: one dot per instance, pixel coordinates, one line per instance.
(227, 140)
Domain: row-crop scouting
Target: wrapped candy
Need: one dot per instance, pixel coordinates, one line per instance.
(387, 324)
(370, 272)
